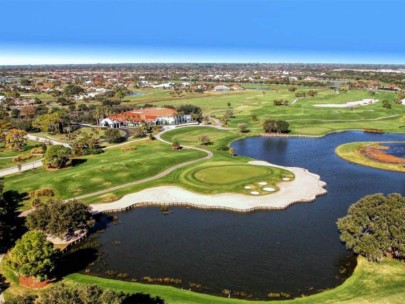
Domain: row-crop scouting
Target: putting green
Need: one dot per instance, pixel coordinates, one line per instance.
(230, 174)
(215, 177)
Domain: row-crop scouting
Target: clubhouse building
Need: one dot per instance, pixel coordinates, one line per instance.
(154, 115)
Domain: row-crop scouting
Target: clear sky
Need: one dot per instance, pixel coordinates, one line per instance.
(114, 31)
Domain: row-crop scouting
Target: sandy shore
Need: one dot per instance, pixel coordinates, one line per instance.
(304, 188)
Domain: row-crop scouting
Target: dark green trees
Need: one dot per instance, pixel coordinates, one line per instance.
(33, 256)
(279, 126)
(58, 218)
(57, 156)
(375, 226)
(113, 136)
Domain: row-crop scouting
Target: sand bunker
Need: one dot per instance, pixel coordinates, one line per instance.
(304, 188)
(350, 104)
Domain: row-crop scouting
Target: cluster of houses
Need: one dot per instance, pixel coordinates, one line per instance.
(153, 115)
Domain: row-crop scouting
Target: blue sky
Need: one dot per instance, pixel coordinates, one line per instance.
(109, 31)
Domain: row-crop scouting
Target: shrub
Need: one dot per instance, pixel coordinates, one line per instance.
(57, 156)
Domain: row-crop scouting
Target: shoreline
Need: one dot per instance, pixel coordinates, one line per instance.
(355, 158)
(305, 188)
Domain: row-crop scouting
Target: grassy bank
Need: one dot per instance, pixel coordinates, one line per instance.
(370, 283)
(351, 153)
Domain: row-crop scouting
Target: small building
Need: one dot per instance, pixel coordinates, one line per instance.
(221, 88)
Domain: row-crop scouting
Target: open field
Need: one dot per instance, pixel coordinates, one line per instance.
(351, 153)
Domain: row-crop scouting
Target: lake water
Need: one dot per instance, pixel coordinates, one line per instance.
(396, 149)
(296, 251)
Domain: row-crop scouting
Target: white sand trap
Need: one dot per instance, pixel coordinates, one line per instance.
(248, 187)
(304, 188)
(350, 104)
(254, 193)
(286, 179)
(269, 189)
(403, 101)
(262, 183)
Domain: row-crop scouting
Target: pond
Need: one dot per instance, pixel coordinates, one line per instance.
(295, 251)
(396, 149)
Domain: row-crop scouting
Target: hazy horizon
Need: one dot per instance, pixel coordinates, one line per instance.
(41, 32)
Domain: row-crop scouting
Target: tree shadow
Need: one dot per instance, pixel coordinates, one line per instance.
(78, 161)
(13, 226)
(141, 298)
(75, 261)
(3, 284)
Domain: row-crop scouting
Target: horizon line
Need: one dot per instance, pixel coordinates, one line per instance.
(208, 62)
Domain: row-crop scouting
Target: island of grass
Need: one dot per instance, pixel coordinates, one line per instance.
(372, 154)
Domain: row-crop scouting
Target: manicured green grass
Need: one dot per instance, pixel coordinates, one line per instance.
(231, 176)
(6, 156)
(370, 283)
(351, 153)
(96, 172)
(303, 117)
(8, 163)
(189, 136)
(8, 153)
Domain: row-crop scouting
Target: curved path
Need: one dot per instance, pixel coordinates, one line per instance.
(44, 140)
(24, 167)
(305, 187)
(157, 176)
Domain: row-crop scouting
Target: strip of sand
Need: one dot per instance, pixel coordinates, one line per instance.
(350, 104)
(304, 188)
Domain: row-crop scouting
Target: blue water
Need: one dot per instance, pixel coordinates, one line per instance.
(294, 251)
(396, 149)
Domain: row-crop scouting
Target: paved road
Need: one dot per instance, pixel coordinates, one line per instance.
(44, 140)
(24, 167)
(34, 164)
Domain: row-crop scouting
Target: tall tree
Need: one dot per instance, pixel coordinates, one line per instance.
(57, 156)
(375, 226)
(33, 256)
(59, 217)
(16, 139)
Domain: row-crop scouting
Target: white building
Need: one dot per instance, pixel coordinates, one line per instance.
(221, 88)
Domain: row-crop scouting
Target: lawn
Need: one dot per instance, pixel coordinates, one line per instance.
(231, 176)
(370, 283)
(303, 117)
(218, 168)
(351, 153)
(190, 137)
(6, 156)
(96, 172)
